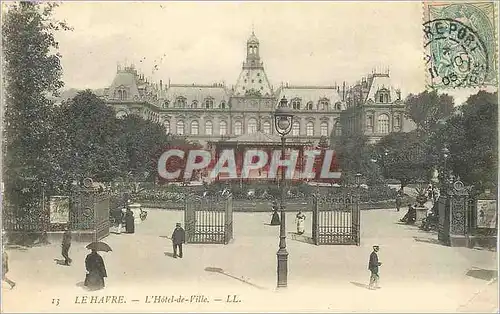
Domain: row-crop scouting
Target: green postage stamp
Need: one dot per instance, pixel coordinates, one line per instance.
(460, 44)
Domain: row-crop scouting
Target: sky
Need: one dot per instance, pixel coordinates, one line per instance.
(302, 43)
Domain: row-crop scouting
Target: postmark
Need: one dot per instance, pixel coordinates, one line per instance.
(460, 44)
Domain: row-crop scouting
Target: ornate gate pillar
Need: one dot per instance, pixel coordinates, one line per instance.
(454, 215)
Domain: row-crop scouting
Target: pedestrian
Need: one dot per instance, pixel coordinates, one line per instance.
(65, 246)
(178, 238)
(399, 199)
(121, 219)
(300, 222)
(373, 266)
(129, 221)
(275, 220)
(5, 270)
(96, 271)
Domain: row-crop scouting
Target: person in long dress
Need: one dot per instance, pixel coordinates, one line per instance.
(300, 222)
(129, 221)
(275, 219)
(65, 246)
(96, 271)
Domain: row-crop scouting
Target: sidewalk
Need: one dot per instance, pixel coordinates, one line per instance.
(417, 274)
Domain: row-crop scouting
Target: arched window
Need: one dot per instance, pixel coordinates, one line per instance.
(252, 126)
(121, 114)
(194, 127)
(295, 128)
(324, 129)
(208, 128)
(383, 124)
(209, 103)
(194, 104)
(165, 104)
(238, 128)
(309, 106)
(266, 127)
(223, 128)
(338, 106)
(310, 128)
(223, 104)
(337, 128)
(296, 103)
(180, 102)
(180, 127)
(167, 126)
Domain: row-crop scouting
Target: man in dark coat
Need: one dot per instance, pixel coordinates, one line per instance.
(178, 238)
(399, 199)
(129, 221)
(96, 271)
(373, 266)
(65, 246)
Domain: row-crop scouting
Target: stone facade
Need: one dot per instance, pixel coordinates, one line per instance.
(211, 112)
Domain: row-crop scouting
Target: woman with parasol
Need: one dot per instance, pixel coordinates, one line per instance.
(94, 264)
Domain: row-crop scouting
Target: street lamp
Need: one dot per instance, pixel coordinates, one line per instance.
(283, 124)
(446, 155)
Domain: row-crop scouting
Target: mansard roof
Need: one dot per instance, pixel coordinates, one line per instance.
(311, 93)
(380, 82)
(197, 92)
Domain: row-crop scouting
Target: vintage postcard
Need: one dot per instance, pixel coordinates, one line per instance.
(249, 156)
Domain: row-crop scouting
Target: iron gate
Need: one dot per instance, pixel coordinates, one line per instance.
(336, 220)
(209, 219)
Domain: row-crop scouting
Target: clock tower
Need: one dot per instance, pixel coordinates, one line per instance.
(253, 79)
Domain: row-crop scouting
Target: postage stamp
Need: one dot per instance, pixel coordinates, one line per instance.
(460, 44)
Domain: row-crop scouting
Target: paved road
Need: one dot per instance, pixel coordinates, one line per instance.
(417, 274)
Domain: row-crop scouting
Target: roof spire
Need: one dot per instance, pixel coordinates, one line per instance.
(253, 28)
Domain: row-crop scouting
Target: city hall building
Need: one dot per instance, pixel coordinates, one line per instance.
(208, 113)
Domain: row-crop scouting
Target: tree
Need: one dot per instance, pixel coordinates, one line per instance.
(403, 157)
(427, 108)
(471, 137)
(32, 72)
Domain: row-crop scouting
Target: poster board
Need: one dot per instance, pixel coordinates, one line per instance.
(486, 214)
(59, 209)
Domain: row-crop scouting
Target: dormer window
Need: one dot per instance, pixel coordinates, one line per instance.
(223, 104)
(309, 106)
(209, 103)
(323, 104)
(180, 102)
(296, 103)
(165, 104)
(194, 104)
(338, 106)
(383, 96)
(122, 94)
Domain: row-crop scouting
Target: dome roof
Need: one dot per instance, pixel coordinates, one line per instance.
(253, 39)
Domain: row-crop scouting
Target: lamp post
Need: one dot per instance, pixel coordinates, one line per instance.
(446, 155)
(283, 124)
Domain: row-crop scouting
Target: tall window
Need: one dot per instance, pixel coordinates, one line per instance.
(167, 126)
(180, 127)
(397, 122)
(266, 127)
(324, 129)
(309, 106)
(195, 128)
(369, 122)
(209, 103)
(310, 128)
(208, 128)
(194, 104)
(223, 104)
(223, 128)
(337, 128)
(323, 104)
(122, 95)
(238, 128)
(295, 128)
(383, 124)
(252, 126)
(383, 96)
(296, 103)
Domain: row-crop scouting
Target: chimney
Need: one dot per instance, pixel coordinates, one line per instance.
(161, 85)
(343, 91)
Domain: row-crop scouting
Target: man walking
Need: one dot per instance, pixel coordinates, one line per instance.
(65, 246)
(373, 265)
(399, 199)
(178, 238)
(5, 270)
